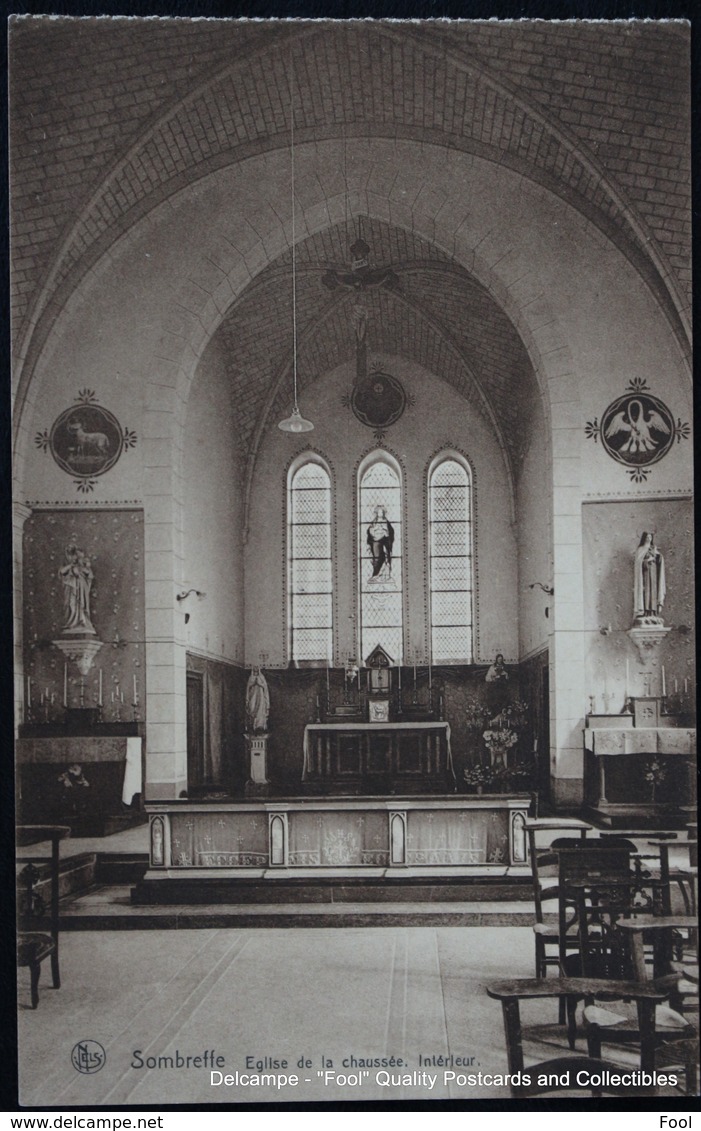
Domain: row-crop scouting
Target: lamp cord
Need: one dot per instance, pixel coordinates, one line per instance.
(294, 253)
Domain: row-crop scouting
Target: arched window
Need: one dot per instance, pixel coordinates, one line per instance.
(450, 560)
(380, 557)
(309, 562)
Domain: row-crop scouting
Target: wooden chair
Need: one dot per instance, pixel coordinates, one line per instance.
(544, 863)
(645, 995)
(37, 918)
(683, 877)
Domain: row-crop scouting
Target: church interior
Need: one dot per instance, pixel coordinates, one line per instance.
(353, 507)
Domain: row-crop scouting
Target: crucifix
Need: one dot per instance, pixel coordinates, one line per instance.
(361, 277)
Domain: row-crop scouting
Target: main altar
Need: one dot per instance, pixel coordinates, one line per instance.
(376, 802)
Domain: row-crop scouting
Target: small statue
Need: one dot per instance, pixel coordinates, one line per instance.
(76, 577)
(257, 702)
(649, 588)
(497, 671)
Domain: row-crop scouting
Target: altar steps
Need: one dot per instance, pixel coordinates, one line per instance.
(338, 887)
(110, 908)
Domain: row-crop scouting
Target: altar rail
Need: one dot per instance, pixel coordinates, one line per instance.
(268, 837)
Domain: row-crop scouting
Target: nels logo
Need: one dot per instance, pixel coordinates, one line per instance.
(88, 1057)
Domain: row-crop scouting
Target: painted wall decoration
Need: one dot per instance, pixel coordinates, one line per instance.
(637, 429)
(378, 400)
(86, 440)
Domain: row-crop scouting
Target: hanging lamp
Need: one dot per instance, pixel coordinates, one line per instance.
(295, 422)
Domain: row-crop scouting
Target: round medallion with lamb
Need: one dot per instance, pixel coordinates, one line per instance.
(86, 440)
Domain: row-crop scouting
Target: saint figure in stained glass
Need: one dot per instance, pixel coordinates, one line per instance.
(380, 539)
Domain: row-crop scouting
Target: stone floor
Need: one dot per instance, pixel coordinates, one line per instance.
(324, 995)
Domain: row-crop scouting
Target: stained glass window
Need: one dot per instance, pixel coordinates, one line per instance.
(309, 560)
(380, 559)
(450, 547)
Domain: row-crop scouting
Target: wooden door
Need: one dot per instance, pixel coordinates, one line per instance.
(195, 730)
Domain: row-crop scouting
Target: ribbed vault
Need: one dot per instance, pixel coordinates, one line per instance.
(438, 316)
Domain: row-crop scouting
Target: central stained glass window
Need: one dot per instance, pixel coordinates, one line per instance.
(310, 566)
(380, 559)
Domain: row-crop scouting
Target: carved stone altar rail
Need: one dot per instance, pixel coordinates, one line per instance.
(265, 838)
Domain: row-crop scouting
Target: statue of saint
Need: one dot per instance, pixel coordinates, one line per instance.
(76, 577)
(380, 540)
(496, 671)
(649, 588)
(257, 702)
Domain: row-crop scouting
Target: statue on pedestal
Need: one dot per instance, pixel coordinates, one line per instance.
(257, 711)
(257, 702)
(77, 577)
(649, 588)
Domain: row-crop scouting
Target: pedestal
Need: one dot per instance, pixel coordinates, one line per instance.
(257, 784)
(647, 639)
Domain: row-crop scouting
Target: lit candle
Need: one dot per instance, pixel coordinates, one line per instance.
(664, 685)
(65, 685)
(99, 688)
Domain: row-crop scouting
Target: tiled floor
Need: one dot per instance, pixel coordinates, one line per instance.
(284, 994)
(312, 993)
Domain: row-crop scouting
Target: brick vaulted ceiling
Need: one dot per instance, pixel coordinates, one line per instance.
(110, 118)
(438, 316)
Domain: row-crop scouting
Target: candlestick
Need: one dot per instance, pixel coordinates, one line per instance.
(136, 697)
(399, 677)
(65, 684)
(686, 685)
(664, 687)
(82, 690)
(627, 692)
(99, 688)
(328, 679)
(676, 685)
(29, 691)
(429, 676)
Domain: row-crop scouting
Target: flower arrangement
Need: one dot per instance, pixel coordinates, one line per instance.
(478, 776)
(655, 774)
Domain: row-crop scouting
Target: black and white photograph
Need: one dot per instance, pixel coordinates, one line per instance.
(353, 547)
